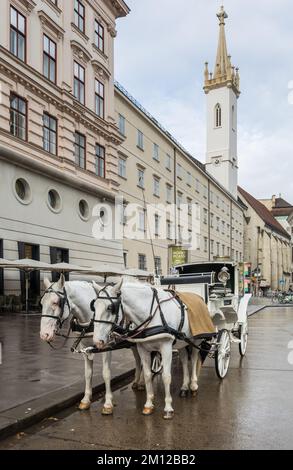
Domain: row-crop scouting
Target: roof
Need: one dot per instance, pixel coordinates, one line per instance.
(281, 203)
(264, 213)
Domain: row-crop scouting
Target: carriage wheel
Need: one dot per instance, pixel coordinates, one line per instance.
(243, 336)
(223, 353)
(156, 363)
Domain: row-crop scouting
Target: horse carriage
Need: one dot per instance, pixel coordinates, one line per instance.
(218, 284)
(148, 317)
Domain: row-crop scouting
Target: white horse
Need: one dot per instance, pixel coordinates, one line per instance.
(62, 299)
(141, 309)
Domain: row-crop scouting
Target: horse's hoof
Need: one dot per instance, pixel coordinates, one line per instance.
(194, 393)
(148, 411)
(169, 415)
(140, 388)
(184, 393)
(107, 411)
(84, 406)
(134, 386)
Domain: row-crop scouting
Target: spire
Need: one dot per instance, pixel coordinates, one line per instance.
(221, 65)
(224, 72)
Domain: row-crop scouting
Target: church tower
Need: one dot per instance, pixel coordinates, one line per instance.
(222, 90)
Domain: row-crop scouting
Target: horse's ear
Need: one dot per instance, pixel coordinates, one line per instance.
(47, 283)
(61, 281)
(97, 287)
(117, 288)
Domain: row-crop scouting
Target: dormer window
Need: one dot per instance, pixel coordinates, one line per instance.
(218, 116)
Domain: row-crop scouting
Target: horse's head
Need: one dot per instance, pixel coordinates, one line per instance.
(105, 312)
(53, 302)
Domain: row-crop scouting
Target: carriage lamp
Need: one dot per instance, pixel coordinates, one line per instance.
(224, 275)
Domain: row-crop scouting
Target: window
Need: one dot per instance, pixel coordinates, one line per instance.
(205, 216)
(189, 205)
(223, 227)
(197, 185)
(179, 171)
(59, 255)
(156, 152)
(49, 58)
(17, 34)
(141, 220)
(223, 250)
(158, 265)
(18, 117)
(212, 246)
(122, 167)
(170, 229)
(168, 162)
(180, 238)
(121, 124)
(140, 176)
(100, 99)
(157, 225)
(211, 197)
(179, 199)
(168, 193)
(50, 134)
(125, 259)
(23, 191)
(156, 182)
(99, 36)
(142, 262)
(83, 209)
(189, 179)
(100, 161)
(218, 116)
(205, 192)
(79, 15)
(212, 220)
(79, 150)
(205, 244)
(140, 140)
(218, 224)
(54, 200)
(218, 249)
(79, 82)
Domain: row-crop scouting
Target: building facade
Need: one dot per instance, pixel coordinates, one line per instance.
(154, 169)
(58, 135)
(267, 247)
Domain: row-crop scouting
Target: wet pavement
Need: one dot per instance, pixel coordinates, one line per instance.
(31, 370)
(251, 409)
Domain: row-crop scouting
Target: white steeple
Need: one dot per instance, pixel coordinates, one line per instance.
(222, 90)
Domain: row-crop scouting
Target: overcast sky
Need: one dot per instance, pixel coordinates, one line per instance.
(161, 48)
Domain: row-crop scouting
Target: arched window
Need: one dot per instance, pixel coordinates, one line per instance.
(218, 116)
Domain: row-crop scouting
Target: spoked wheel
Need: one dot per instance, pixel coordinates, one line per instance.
(223, 353)
(243, 336)
(157, 365)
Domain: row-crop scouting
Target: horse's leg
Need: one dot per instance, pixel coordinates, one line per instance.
(195, 369)
(88, 372)
(183, 354)
(138, 383)
(166, 351)
(146, 363)
(108, 405)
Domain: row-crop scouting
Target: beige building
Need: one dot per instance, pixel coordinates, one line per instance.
(267, 246)
(154, 166)
(58, 135)
(155, 169)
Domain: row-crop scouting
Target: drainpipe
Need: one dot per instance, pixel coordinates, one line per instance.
(209, 219)
(175, 194)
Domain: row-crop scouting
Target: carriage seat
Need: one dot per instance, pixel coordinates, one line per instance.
(198, 314)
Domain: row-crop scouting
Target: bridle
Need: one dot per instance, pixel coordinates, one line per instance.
(63, 301)
(113, 307)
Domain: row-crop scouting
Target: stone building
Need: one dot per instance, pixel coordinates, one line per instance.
(155, 169)
(58, 135)
(267, 246)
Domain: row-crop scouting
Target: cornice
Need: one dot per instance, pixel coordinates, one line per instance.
(100, 69)
(80, 52)
(27, 5)
(51, 24)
